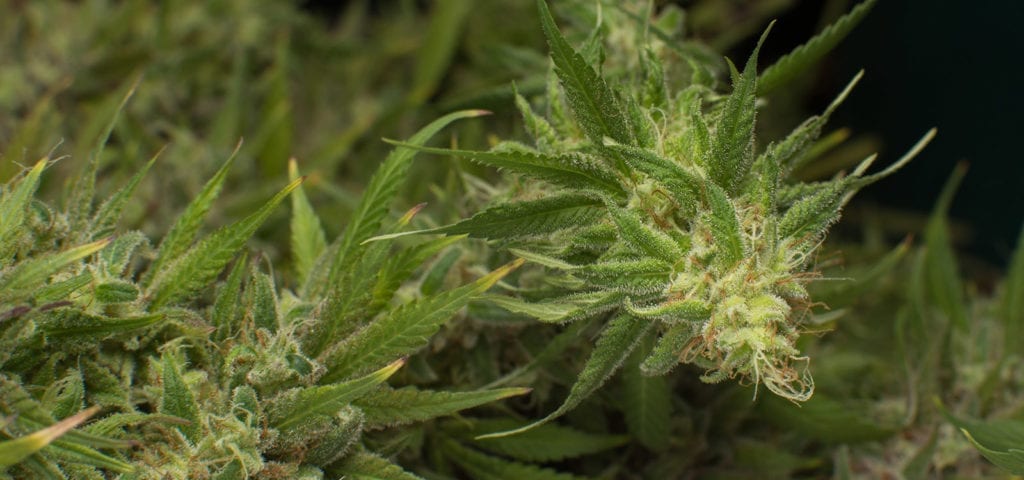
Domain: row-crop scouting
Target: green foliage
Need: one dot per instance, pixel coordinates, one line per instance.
(697, 241)
(386, 407)
(17, 450)
(547, 443)
(592, 101)
(801, 58)
(1001, 442)
(672, 261)
(81, 324)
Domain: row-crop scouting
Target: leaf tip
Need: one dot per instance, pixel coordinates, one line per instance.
(407, 217)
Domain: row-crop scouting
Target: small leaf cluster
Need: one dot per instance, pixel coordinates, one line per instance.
(184, 380)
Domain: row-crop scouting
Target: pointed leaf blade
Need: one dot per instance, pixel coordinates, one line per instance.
(186, 227)
(592, 101)
(15, 450)
(387, 407)
(291, 410)
(308, 238)
(618, 339)
(404, 330)
(197, 267)
(732, 147)
(796, 62)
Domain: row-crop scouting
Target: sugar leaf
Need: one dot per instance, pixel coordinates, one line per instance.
(796, 62)
(592, 101)
(405, 329)
(617, 340)
(203, 262)
(387, 407)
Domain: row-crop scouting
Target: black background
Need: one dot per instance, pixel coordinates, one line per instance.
(954, 65)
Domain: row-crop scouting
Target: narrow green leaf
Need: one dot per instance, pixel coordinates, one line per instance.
(592, 101)
(1001, 441)
(80, 326)
(16, 450)
(699, 134)
(486, 467)
(43, 468)
(574, 171)
(13, 206)
(112, 425)
(116, 291)
(546, 443)
(941, 277)
(643, 238)
(83, 190)
(261, 300)
(843, 470)
(399, 268)
(308, 238)
(376, 199)
(66, 396)
(294, 407)
(177, 399)
(532, 217)
(617, 340)
(78, 453)
(434, 279)
(226, 305)
(683, 185)
(629, 276)
(540, 259)
(203, 262)
(275, 131)
(860, 181)
(116, 257)
(405, 329)
(788, 152)
(31, 273)
(665, 354)
(725, 227)
(1012, 305)
(109, 213)
(364, 465)
(186, 227)
(547, 311)
(540, 130)
(643, 127)
(675, 311)
(646, 401)
(809, 217)
(732, 148)
(522, 219)
(386, 407)
(801, 58)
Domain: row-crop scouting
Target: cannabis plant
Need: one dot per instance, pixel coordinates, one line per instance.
(651, 205)
(248, 380)
(957, 354)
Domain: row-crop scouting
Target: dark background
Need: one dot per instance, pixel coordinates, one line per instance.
(954, 65)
